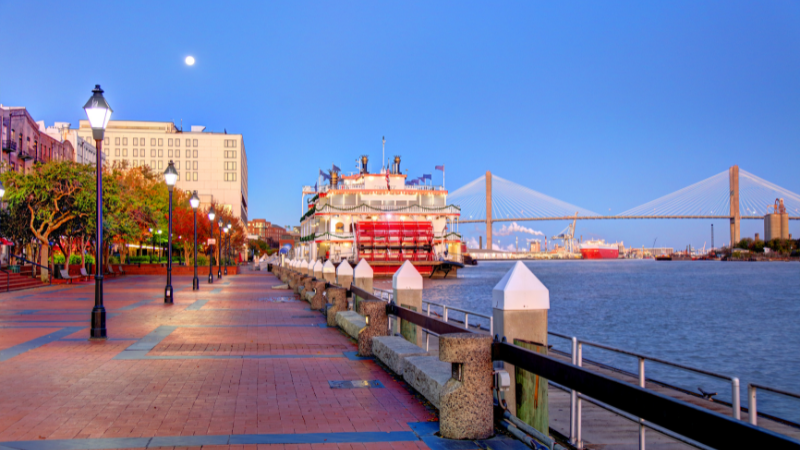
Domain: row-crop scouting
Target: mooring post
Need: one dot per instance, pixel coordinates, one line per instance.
(407, 289)
(465, 404)
(318, 270)
(329, 272)
(344, 274)
(519, 310)
(374, 312)
(362, 275)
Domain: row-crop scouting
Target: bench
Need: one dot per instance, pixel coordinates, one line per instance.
(65, 275)
(84, 274)
(121, 270)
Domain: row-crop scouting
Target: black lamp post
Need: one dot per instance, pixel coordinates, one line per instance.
(219, 251)
(170, 177)
(226, 249)
(98, 112)
(227, 260)
(161, 253)
(211, 216)
(153, 245)
(195, 202)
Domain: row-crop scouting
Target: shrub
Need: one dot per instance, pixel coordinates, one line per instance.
(59, 258)
(113, 259)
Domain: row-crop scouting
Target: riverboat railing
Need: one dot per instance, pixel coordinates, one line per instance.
(362, 187)
(369, 209)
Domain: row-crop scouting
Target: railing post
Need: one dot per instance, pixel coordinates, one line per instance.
(362, 277)
(752, 410)
(573, 399)
(735, 402)
(374, 312)
(641, 421)
(407, 290)
(519, 312)
(465, 410)
(344, 274)
(579, 403)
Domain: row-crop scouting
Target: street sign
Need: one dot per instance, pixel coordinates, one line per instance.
(212, 241)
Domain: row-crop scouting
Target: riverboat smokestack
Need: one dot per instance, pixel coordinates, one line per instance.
(364, 160)
(334, 179)
(396, 164)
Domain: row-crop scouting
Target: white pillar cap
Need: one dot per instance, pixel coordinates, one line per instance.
(407, 278)
(344, 268)
(318, 266)
(304, 264)
(363, 270)
(519, 289)
(328, 267)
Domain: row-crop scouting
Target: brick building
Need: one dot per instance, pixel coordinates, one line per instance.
(258, 227)
(26, 142)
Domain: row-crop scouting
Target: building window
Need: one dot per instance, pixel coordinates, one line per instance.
(194, 143)
(141, 163)
(124, 152)
(188, 165)
(230, 165)
(152, 142)
(116, 152)
(230, 143)
(188, 176)
(169, 152)
(230, 176)
(169, 142)
(177, 165)
(107, 141)
(160, 142)
(135, 141)
(160, 152)
(230, 154)
(160, 165)
(152, 164)
(116, 141)
(177, 142)
(195, 165)
(124, 141)
(194, 176)
(188, 142)
(195, 153)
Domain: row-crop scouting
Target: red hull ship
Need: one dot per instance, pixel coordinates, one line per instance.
(599, 250)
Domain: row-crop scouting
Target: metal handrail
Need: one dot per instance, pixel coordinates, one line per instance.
(466, 312)
(752, 407)
(49, 271)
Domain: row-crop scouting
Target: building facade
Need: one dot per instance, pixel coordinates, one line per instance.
(85, 151)
(258, 228)
(26, 142)
(213, 164)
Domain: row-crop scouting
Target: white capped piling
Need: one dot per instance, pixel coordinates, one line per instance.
(329, 272)
(318, 270)
(519, 310)
(362, 278)
(303, 267)
(344, 274)
(407, 289)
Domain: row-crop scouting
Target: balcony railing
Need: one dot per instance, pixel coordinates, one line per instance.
(410, 209)
(361, 187)
(9, 146)
(25, 154)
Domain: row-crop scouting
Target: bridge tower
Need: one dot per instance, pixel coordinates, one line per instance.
(488, 210)
(733, 177)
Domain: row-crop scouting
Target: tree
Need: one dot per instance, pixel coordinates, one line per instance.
(54, 194)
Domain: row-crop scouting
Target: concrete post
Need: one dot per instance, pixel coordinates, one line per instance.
(733, 180)
(338, 298)
(318, 300)
(407, 287)
(488, 210)
(344, 275)
(465, 404)
(362, 276)
(303, 267)
(519, 310)
(329, 272)
(308, 290)
(318, 270)
(374, 312)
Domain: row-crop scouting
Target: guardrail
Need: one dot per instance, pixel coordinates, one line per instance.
(362, 187)
(752, 407)
(368, 209)
(49, 271)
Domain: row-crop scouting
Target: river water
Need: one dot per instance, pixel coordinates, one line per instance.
(737, 319)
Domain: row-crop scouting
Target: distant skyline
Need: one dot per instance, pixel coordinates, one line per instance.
(602, 105)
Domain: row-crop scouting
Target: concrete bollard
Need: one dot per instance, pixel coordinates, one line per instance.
(337, 296)
(329, 272)
(374, 312)
(318, 270)
(303, 267)
(305, 285)
(519, 310)
(291, 280)
(362, 278)
(318, 300)
(407, 287)
(344, 274)
(465, 404)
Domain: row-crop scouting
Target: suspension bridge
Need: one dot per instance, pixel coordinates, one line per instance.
(726, 195)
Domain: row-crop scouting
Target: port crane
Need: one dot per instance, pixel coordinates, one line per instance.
(568, 236)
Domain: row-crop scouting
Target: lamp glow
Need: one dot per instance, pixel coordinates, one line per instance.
(171, 175)
(98, 112)
(211, 214)
(195, 201)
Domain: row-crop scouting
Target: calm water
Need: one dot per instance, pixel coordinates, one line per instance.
(739, 319)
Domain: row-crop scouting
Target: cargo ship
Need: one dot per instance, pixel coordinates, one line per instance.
(599, 249)
(383, 218)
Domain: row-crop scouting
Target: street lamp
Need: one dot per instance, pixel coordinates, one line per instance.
(195, 202)
(211, 216)
(219, 252)
(98, 112)
(160, 254)
(226, 248)
(153, 242)
(229, 244)
(170, 177)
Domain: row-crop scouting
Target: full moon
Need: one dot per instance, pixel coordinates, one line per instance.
(190, 60)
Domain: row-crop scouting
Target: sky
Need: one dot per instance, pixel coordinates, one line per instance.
(605, 105)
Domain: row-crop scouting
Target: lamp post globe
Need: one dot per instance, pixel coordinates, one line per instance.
(195, 202)
(211, 215)
(99, 113)
(225, 270)
(219, 252)
(170, 177)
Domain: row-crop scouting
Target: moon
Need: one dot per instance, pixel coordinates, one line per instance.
(190, 60)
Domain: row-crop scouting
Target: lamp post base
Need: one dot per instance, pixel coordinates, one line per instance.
(226, 270)
(168, 295)
(211, 278)
(98, 330)
(195, 283)
(219, 273)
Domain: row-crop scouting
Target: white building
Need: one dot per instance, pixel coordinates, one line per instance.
(85, 151)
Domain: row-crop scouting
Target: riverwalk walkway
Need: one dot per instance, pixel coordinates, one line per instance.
(234, 365)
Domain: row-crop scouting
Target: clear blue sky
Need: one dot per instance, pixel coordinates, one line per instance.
(606, 105)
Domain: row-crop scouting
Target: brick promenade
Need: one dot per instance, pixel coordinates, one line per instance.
(235, 365)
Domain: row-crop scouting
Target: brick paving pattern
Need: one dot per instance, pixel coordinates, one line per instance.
(235, 359)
